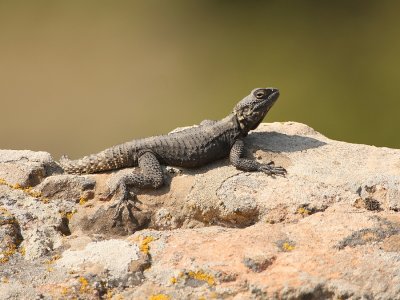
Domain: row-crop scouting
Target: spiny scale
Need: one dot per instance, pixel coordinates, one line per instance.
(110, 159)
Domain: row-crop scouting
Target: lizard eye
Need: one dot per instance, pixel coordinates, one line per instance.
(260, 94)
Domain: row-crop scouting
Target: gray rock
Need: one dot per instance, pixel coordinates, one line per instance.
(25, 167)
(38, 225)
(10, 234)
(72, 188)
(259, 263)
(330, 229)
(112, 259)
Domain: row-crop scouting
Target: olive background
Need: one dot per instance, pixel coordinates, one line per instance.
(79, 76)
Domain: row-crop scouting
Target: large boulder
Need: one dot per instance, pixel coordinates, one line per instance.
(329, 229)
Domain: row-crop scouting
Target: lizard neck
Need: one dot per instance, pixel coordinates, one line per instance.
(234, 122)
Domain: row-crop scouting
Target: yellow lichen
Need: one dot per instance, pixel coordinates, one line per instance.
(196, 275)
(109, 294)
(27, 190)
(16, 186)
(32, 193)
(13, 186)
(287, 247)
(67, 214)
(22, 251)
(144, 246)
(53, 259)
(84, 284)
(64, 291)
(4, 211)
(45, 200)
(173, 280)
(7, 253)
(303, 211)
(7, 221)
(82, 200)
(202, 276)
(213, 295)
(5, 279)
(159, 297)
(6, 217)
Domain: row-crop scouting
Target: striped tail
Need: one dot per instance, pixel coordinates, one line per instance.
(110, 159)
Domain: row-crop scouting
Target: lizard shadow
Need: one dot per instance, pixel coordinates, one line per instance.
(152, 199)
(279, 142)
(265, 141)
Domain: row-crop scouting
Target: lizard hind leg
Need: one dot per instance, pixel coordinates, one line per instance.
(150, 176)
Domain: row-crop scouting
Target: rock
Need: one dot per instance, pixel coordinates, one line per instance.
(40, 240)
(112, 259)
(36, 226)
(68, 187)
(259, 263)
(330, 229)
(24, 167)
(10, 235)
(321, 172)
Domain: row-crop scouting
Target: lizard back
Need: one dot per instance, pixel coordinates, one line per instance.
(190, 147)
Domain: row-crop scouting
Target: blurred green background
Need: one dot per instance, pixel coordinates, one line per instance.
(80, 76)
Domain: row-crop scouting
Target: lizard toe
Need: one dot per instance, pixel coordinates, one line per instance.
(270, 169)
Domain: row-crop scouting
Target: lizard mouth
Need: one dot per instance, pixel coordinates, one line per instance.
(270, 100)
(273, 95)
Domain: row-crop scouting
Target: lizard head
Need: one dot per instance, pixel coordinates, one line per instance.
(253, 108)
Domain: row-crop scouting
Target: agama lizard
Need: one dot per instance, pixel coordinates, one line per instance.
(192, 147)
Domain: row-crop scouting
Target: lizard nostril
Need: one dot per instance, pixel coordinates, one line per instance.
(271, 91)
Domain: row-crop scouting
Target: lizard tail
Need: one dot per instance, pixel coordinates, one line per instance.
(109, 159)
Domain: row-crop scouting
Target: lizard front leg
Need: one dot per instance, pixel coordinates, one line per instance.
(150, 176)
(249, 165)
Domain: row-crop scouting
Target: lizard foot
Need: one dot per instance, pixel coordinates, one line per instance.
(124, 200)
(270, 169)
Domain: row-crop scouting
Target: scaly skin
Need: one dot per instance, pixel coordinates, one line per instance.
(192, 147)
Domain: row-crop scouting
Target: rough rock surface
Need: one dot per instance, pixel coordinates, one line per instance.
(330, 229)
(25, 167)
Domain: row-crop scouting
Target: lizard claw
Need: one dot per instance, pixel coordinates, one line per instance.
(124, 199)
(270, 169)
(120, 206)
